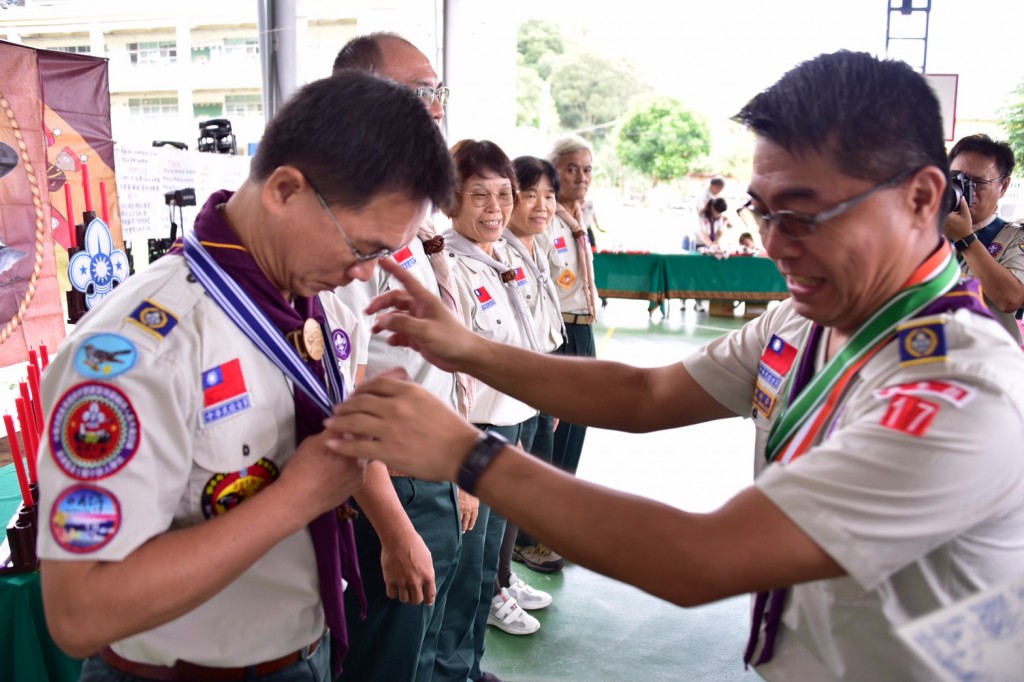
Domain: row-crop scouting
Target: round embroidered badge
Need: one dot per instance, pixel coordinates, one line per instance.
(226, 491)
(85, 518)
(104, 356)
(94, 431)
(342, 344)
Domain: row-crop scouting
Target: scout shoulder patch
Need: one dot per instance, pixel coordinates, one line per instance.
(153, 318)
(910, 414)
(954, 393)
(84, 518)
(94, 431)
(776, 360)
(560, 245)
(520, 277)
(104, 356)
(922, 341)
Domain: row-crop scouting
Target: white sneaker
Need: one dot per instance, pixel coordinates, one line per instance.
(526, 596)
(507, 615)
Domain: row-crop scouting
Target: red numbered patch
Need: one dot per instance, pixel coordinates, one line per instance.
(910, 415)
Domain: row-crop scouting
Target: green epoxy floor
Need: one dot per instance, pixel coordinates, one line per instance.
(600, 630)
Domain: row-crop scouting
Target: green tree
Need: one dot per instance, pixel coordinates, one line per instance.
(540, 43)
(1012, 120)
(591, 91)
(662, 140)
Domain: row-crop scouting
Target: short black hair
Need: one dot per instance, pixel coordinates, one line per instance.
(875, 118)
(332, 131)
(982, 144)
(530, 170)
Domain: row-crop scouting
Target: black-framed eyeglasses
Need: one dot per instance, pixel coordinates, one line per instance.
(982, 181)
(429, 94)
(360, 256)
(797, 225)
(481, 198)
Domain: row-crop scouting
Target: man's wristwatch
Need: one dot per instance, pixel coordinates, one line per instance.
(488, 445)
(962, 244)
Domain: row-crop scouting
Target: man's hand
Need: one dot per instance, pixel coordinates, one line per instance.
(421, 321)
(959, 225)
(320, 479)
(469, 510)
(403, 425)
(408, 570)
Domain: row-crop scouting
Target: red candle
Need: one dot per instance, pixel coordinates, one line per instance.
(71, 213)
(27, 429)
(85, 186)
(37, 398)
(103, 202)
(23, 387)
(33, 357)
(19, 466)
(45, 355)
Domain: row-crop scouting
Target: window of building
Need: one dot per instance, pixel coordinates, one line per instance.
(241, 46)
(153, 107)
(240, 106)
(73, 49)
(204, 111)
(163, 52)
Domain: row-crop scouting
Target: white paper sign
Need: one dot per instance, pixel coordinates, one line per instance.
(979, 639)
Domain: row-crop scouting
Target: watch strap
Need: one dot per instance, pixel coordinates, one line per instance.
(962, 244)
(487, 446)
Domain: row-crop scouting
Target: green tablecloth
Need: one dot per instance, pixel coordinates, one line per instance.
(653, 276)
(27, 653)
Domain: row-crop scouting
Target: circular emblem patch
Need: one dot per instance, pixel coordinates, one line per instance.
(226, 491)
(94, 431)
(921, 343)
(342, 344)
(85, 518)
(995, 248)
(104, 356)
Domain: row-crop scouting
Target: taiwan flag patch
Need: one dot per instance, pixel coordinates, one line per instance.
(224, 392)
(405, 258)
(560, 245)
(520, 277)
(778, 355)
(483, 298)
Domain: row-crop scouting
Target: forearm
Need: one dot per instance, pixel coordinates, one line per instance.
(998, 284)
(600, 393)
(166, 577)
(688, 559)
(378, 502)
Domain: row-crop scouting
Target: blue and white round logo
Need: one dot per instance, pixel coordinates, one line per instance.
(342, 344)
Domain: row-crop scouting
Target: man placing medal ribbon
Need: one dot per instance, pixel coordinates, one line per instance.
(888, 402)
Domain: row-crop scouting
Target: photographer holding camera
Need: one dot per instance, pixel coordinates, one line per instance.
(990, 248)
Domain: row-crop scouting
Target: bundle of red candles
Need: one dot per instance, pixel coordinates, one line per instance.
(30, 416)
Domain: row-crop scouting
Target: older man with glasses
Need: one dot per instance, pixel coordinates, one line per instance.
(887, 402)
(989, 248)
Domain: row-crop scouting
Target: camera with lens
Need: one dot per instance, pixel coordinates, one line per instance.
(960, 186)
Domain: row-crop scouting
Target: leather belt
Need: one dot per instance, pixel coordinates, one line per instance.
(183, 670)
(574, 318)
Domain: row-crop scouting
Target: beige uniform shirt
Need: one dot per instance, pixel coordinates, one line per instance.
(916, 488)
(165, 415)
(564, 260)
(1008, 250)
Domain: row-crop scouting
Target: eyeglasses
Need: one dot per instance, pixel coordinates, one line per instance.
(797, 225)
(429, 94)
(981, 181)
(360, 256)
(480, 198)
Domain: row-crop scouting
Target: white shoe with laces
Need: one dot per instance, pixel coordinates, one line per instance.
(527, 597)
(508, 616)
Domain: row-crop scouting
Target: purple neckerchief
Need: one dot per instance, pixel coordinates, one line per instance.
(768, 606)
(333, 539)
